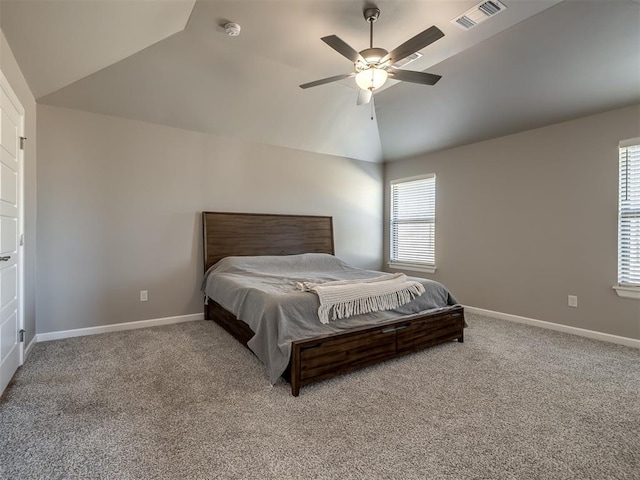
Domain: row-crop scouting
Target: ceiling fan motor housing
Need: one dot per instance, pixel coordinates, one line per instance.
(372, 57)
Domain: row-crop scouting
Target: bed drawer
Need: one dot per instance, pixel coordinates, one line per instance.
(332, 356)
(424, 333)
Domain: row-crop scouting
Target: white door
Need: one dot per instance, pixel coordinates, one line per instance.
(11, 129)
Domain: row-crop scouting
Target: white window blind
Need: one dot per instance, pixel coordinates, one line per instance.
(413, 221)
(629, 214)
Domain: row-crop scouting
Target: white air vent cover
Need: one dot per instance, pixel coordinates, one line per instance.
(407, 60)
(478, 14)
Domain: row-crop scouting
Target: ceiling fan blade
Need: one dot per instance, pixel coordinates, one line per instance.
(342, 48)
(327, 80)
(414, 44)
(364, 96)
(414, 77)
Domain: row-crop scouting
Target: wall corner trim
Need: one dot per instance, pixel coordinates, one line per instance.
(117, 327)
(606, 337)
(29, 347)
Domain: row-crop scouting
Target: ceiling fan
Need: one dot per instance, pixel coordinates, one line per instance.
(374, 65)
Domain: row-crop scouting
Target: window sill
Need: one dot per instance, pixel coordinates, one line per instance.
(628, 292)
(414, 267)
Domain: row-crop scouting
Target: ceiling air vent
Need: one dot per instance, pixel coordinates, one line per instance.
(407, 60)
(478, 14)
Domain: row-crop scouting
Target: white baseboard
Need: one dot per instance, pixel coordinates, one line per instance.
(629, 342)
(154, 322)
(44, 337)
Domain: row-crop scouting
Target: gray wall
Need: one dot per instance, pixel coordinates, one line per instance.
(12, 72)
(524, 220)
(119, 205)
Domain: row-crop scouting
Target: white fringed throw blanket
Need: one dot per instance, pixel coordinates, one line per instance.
(354, 297)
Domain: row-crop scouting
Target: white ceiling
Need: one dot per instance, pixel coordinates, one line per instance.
(58, 42)
(538, 62)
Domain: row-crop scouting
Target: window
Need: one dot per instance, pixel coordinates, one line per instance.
(413, 223)
(629, 219)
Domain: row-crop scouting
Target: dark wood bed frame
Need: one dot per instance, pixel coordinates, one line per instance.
(321, 357)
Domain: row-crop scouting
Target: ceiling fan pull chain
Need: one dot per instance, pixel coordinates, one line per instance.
(372, 95)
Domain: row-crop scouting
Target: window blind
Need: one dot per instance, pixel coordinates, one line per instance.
(629, 214)
(413, 221)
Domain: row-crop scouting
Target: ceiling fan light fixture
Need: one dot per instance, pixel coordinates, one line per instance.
(371, 78)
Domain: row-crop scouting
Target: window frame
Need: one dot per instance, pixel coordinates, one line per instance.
(411, 265)
(625, 289)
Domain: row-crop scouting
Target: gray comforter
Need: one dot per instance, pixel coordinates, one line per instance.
(261, 291)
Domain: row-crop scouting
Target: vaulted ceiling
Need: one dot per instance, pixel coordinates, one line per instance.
(171, 62)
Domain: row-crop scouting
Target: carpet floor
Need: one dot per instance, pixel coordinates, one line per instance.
(187, 401)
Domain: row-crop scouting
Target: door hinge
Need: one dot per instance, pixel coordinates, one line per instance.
(21, 332)
(21, 239)
(22, 140)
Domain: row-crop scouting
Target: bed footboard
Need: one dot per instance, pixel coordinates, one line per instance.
(320, 358)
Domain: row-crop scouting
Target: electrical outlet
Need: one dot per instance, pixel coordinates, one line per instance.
(573, 301)
(144, 295)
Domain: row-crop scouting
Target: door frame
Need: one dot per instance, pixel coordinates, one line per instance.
(4, 83)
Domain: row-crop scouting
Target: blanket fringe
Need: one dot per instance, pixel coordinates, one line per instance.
(370, 304)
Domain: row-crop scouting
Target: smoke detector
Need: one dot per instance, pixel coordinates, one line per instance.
(232, 29)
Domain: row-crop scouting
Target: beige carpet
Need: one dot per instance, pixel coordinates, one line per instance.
(187, 401)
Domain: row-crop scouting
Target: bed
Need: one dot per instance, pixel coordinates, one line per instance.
(233, 241)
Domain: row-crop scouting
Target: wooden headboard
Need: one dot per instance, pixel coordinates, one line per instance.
(243, 234)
